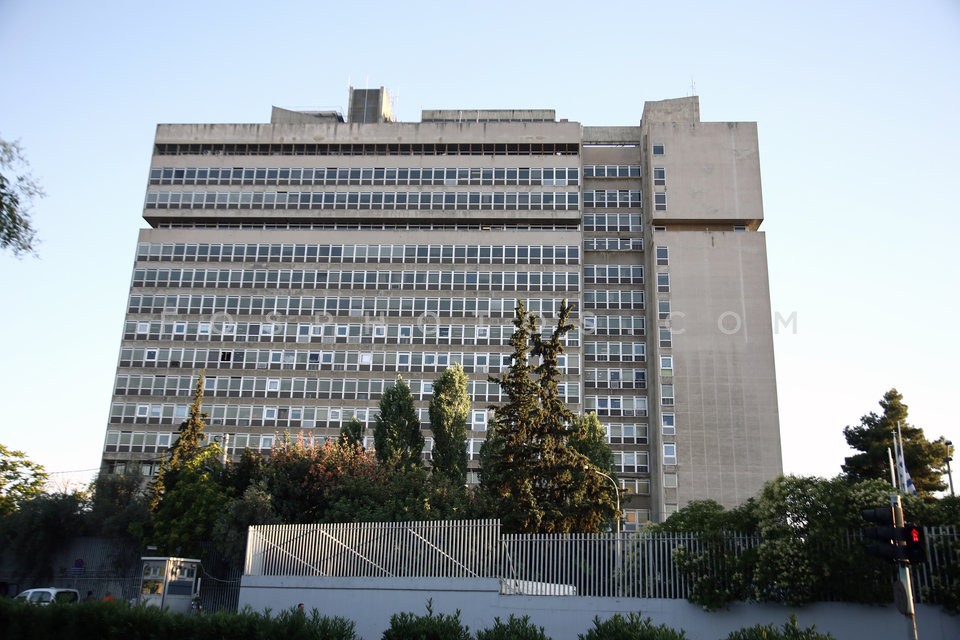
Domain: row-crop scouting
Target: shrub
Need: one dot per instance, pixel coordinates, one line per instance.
(409, 626)
(632, 627)
(514, 629)
(790, 631)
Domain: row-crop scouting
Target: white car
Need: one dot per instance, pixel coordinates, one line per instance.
(46, 595)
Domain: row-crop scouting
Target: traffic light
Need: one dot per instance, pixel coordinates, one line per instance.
(915, 549)
(904, 543)
(887, 535)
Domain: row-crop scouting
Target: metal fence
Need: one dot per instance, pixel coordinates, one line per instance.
(629, 565)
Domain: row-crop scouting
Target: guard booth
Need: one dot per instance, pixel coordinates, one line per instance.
(170, 583)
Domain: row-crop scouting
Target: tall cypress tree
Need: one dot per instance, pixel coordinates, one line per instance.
(530, 468)
(449, 414)
(396, 434)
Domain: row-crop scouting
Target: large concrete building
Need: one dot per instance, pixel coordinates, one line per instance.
(306, 262)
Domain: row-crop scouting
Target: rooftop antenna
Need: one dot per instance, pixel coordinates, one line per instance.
(693, 87)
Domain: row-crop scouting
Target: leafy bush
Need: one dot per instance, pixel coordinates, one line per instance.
(514, 629)
(117, 621)
(409, 626)
(632, 627)
(790, 631)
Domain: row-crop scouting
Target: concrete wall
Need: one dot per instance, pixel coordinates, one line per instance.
(370, 602)
(728, 435)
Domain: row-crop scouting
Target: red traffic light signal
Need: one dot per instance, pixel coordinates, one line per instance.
(915, 543)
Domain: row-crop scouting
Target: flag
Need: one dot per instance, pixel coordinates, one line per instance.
(906, 482)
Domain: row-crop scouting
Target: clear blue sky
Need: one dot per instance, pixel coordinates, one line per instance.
(856, 103)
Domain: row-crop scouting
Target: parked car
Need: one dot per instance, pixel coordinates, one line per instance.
(45, 595)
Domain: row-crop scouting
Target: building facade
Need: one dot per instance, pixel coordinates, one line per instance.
(306, 262)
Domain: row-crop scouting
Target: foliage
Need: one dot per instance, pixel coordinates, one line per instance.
(17, 189)
(185, 516)
(719, 566)
(449, 414)
(20, 479)
(396, 435)
(352, 432)
(254, 507)
(789, 631)
(515, 628)
(117, 621)
(633, 627)
(531, 473)
(305, 480)
(39, 529)
(409, 626)
(119, 508)
(184, 449)
(945, 585)
(875, 434)
(590, 439)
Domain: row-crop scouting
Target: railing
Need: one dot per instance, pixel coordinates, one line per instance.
(628, 565)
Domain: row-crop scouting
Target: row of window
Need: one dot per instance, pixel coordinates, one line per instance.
(311, 388)
(368, 149)
(616, 378)
(613, 244)
(374, 200)
(612, 222)
(612, 274)
(613, 299)
(614, 351)
(292, 359)
(407, 253)
(356, 279)
(614, 325)
(375, 330)
(352, 306)
(611, 171)
(443, 176)
(627, 406)
(612, 198)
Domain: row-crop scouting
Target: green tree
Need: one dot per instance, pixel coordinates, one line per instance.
(590, 439)
(186, 447)
(254, 507)
(20, 479)
(396, 435)
(119, 507)
(531, 473)
(875, 435)
(449, 414)
(352, 432)
(17, 191)
(39, 529)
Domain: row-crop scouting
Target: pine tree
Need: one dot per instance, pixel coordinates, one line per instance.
(449, 414)
(396, 435)
(352, 432)
(530, 469)
(875, 434)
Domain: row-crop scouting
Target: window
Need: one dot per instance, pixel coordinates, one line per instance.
(269, 413)
(669, 481)
(658, 150)
(669, 453)
(179, 328)
(666, 337)
(668, 424)
(666, 394)
(663, 256)
(143, 410)
(226, 356)
(229, 329)
(143, 327)
(659, 202)
(273, 384)
(483, 333)
(203, 329)
(666, 365)
(266, 330)
(659, 176)
(479, 420)
(150, 355)
(739, 228)
(663, 309)
(663, 283)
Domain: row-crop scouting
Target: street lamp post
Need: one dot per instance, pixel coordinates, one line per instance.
(616, 490)
(949, 458)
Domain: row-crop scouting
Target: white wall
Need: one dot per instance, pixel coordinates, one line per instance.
(370, 602)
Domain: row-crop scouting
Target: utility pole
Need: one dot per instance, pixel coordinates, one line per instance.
(903, 591)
